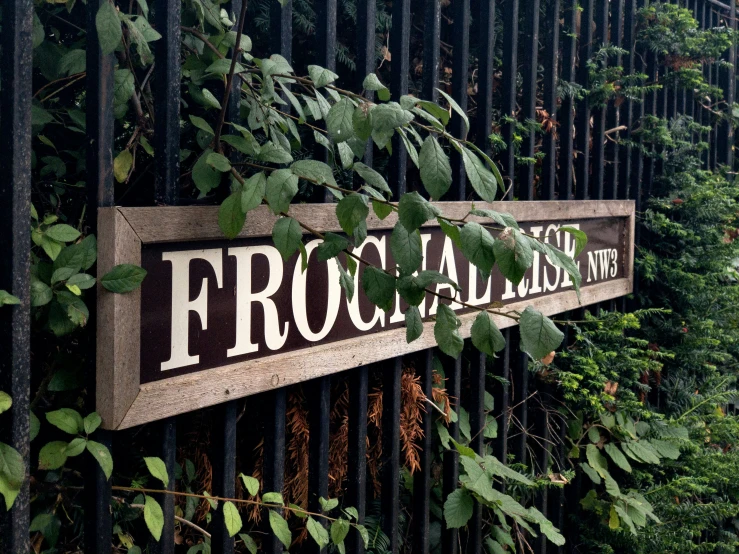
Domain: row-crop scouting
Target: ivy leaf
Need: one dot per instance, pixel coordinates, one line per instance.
(371, 177)
(477, 245)
(413, 324)
(513, 254)
(351, 211)
(581, 239)
(280, 528)
(231, 217)
(458, 509)
(52, 455)
(446, 331)
(539, 334)
(407, 249)
(282, 186)
(321, 77)
(66, 419)
(414, 210)
(123, 278)
(618, 457)
(101, 453)
(108, 27)
(436, 172)
(318, 532)
(486, 336)
(91, 422)
(231, 518)
(154, 517)
(332, 246)
(253, 191)
(251, 484)
(157, 468)
(62, 233)
(339, 120)
(379, 287)
(286, 235)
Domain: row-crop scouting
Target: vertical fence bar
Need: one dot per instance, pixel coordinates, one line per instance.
(728, 85)
(276, 401)
(167, 191)
(582, 133)
(453, 371)
(431, 46)
(567, 114)
(501, 398)
(625, 153)
(530, 73)
(400, 48)
(100, 125)
(422, 479)
(477, 425)
(520, 386)
(15, 278)
(460, 58)
(600, 39)
(615, 113)
(713, 160)
(390, 496)
(224, 471)
(551, 64)
(510, 72)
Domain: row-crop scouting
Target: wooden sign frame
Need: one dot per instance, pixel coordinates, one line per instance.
(122, 401)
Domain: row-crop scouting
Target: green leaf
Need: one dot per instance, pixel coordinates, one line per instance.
(436, 172)
(157, 468)
(361, 121)
(617, 456)
(351, 211)
(481, 179)
(372, 82)
(640, 452)
(581, 239)
(486, 336)
(596, 460)
(253, 191)
(381, 210)
(539, 335)
(66, 419)
(101, 453)
(590, 472)
(123, 278)
(346, 155)
(273, 498)
(52, 455)
(321, 76)
(339, 530)
(12, 473)
(385, 118)
(231, 518)
(513, 254)
(331, 246)
(251, 484)
(318, 532)
(76, 447)
(91, 422)
(371, 177)
(7, 298)
(282, 186)
(81, 280)
(362, 530)
(407, 249)
(665, 449)
(379, 287)
(413, 324)
(460, 112)
(231, 217)
(5, 402)
(203, 175)
(594, 434)
(219, 162)
(62, 233)
(245, 144)
(346, 280)
(451, 230)
(122, 165)
(477, 245)
(249, 543)
(280, 528)
(458, 509)
(314, 170)
(154, 517)
(559, 259)
(273, 153)
(108, 27)
(339, 120)
(414, 210)
(446, 331)
(286, 235)
(61, 274)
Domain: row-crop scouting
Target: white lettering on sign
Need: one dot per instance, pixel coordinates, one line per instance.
(295, 295)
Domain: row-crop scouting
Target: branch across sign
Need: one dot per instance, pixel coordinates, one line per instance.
(219, 319)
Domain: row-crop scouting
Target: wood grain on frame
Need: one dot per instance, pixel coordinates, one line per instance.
(124, 402)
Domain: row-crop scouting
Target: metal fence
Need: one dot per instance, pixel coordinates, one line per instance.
(582, 159)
